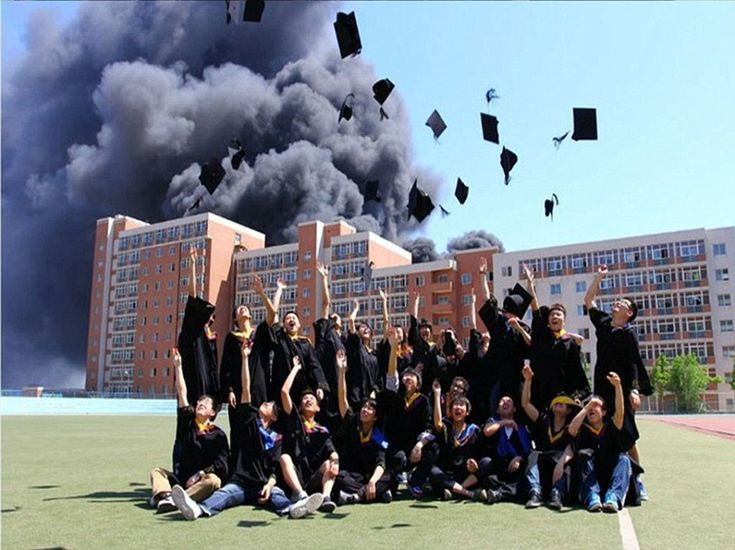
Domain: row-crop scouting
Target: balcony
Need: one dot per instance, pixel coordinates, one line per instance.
(441, 288)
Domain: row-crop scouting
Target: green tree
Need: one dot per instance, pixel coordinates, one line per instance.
(687, 380)
(660, 378)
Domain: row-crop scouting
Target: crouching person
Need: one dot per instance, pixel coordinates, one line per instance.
(203, 450)
(602, 460)
(256, 449)
(548, 464)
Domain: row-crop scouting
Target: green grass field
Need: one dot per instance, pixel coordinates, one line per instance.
(82, 482)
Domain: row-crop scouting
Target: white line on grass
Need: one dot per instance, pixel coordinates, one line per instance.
(627, 531)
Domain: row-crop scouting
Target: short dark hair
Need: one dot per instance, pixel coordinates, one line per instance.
(373, 404)
(462, 400)
(215, 403)
(464, 381)
(559, 307)
(633, 308)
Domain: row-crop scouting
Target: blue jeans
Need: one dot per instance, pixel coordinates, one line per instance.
(234, 494)
(543, 464)
(590, 477)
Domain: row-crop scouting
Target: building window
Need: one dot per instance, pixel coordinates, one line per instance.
(467, 299)
(153, 371)
(718, 249)
(442, 321)
(443, 278)
(307, 274)
(466, 278)
(580, 286)
(307, 292)
(466, 321)
(506, 271)
(555, 289)
(726, 325)
(724, 300)
(728, 351)
(580, 311)
(306, 311)
(420, 280)
(587, 357)
(722, 275)
(307, 255)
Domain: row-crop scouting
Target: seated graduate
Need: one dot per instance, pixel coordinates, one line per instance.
(309, 461)
(548, 464)
(602, 460)
(450, 473)
(197, 343)
(509, 445)
(363, 476)
(256, 448)
(202, 446)
(363, 374)
(555, 353)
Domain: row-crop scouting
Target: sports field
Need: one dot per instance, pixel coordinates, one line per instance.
(82, 482)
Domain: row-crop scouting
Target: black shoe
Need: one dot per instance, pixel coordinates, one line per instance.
(555, 500)
(447, 495)
(386, 497)
(534, 499)
(479, 495)
(492, 497)
(328, 506)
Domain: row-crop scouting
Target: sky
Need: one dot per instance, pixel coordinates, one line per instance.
(133, 97)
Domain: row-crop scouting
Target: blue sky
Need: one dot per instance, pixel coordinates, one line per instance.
(660, 74)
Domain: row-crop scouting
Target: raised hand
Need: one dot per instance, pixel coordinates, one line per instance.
(281, 284)
(296, 362)
(341, 357)
(323, 269)
(246, 347)
(392, 336)
(436, 387)
(602, 270)
(527, 372)
(176, 357)
(258, 284)
(383, 295)
(613, 378)
(483, 265)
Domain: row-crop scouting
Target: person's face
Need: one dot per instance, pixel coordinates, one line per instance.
(458, 388)
(410, 382)
(622, 309)
(365, 331)
(399, 334)
(368, 414)
(560, 409)
(425, 333)
(242, 313)
(506, 407)
(205, 408)
(267, 411)
(309, 403)
(291, 323)
(556, 320)
(595, 413)
(459, 411)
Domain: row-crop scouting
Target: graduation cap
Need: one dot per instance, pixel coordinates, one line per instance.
(371, 191)
(517, 301)
(490, 95)
(461, 191)
(436, 123)
(508, 160)
(194, 205)
(445, 212)
(381, 91)
(419, 203)
(348, 37)
(212, 175)
(557, 140)
(585, 124)
(345, 111)
(253, 10)
(549, 206)
(238, 155)
(489, 128)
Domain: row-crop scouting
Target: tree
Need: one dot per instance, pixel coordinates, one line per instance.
(660, 378)
(687, 380)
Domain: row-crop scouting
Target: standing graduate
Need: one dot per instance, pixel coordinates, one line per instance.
(426, 354)
(548, 469)
(363, 476)
(384, 347)
(197, 342)
(602, 461)
(555, 354)
(363, 374)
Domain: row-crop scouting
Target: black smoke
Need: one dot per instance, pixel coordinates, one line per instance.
(422, 250)
(113, 112)
(478, 238)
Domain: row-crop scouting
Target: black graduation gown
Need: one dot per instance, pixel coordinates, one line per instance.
(231, 365)
(198, 351)
(404, 421)
(251, 463)
(425, 358)
(285, 349)
(363, 372)
(327, 343)
(206, 450)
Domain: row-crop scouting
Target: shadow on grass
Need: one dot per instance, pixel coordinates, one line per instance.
(253, 523)
(422, 505)
(8, 510)
(137, 484)
(336, 515)
(394, 526)
(107, 496)
(44, 486)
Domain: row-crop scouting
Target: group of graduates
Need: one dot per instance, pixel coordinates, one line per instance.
(336, 422)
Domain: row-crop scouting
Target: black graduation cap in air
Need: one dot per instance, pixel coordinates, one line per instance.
(490, 95)
(212, 175)
(238, 155)
(461, 191)
(436, 123)
(381, 91)
(508, 160)
(489, 128)
(549, 206)
(348, 36)
(585, 124)
(253, 10)
(419, 203)
(445, 212)
(194, 205)
(557, 140)
(345, 111)
(517, 301)
(371, 191)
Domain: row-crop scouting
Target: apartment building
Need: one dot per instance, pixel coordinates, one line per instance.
(683, 282)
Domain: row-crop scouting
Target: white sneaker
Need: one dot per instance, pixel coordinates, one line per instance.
(306, 506)
(166, 505)
(185, 504)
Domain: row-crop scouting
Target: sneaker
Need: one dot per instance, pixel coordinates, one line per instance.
(594, 504)
(328, 505)
(610, 506)
(386, 497)
(642, 493)
(479, 495)
(347, 498)
(415, 490)
(534, 499)
(166, 504)
(402, 477)
(185, 504)
(153, 501)
(492, 497)
(299, 496)
(306, 506)
(555, 500)
(447, 495)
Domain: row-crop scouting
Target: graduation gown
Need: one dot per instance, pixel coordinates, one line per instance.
(285, 348)
(363, 372)
(198, 351)
(231, 365)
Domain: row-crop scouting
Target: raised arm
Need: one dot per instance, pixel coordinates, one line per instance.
(617, 419)
(341, 360)
(483, 278)
(531, 287)
(270, 311)
(245, 371)
(280, 287)
(386, 318)
(473, 310)
(192, 288)
(578, 420)
(594, 289)
(286, 402)
(181, 399)
(326, 299)
(517, 327)
(413, 306)
(531, 411)
(436, 389)
(353, 316)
